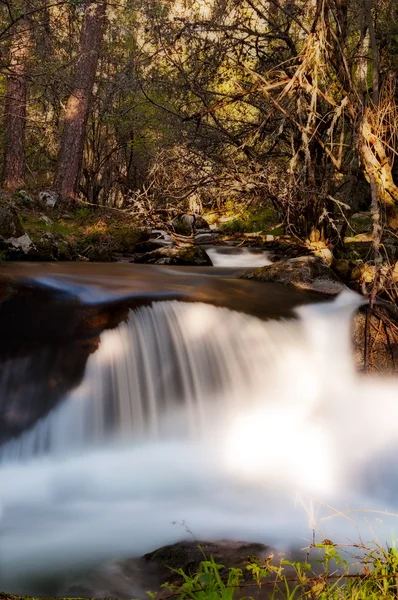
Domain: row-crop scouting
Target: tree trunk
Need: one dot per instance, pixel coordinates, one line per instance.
(15, 108)
(79, 103)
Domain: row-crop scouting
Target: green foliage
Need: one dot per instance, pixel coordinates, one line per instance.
(207, 583)
(366, 573)
(250, 222)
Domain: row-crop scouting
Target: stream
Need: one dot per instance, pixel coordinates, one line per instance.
(141, 405)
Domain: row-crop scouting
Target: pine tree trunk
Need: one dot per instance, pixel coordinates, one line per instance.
(79, 103)
(15, 108)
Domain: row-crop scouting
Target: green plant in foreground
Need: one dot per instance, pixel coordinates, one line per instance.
(370, 575)
(207, 582)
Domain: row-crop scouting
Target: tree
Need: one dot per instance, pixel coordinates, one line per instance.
(15, 103)
(78, 106)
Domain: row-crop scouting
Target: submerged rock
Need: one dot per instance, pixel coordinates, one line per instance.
(183, 256)
(305, 273)
(183, 224)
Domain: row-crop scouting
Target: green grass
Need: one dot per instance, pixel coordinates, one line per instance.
(354, 573)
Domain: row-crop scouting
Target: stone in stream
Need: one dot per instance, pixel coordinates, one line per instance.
(183, 224)
(132, 578)
(183, 256)
(305, 273)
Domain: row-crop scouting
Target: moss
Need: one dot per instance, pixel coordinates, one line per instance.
(248, 222)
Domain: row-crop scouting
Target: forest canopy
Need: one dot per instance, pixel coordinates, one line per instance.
(205, 104)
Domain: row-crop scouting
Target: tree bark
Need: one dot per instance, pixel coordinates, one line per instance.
(79, 103)
(15, 108)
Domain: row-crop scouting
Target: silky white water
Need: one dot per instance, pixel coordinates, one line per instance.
(224, 256)
(193, 417)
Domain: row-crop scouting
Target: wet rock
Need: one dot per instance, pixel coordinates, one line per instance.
(132, 578)
(184, 224)
(48, 198)
(100, 253)
(10, 224)
(45, 340)
(207, 237)
(150, 245)
(184, 256)
(305, 273)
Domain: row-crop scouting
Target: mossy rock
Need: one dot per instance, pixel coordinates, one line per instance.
(51, 247)
(125, 238)
(305, 273)
(10, 224)
(183, 224)
(188, 555)
(361, 222)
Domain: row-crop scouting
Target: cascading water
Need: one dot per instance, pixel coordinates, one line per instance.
(197, 415)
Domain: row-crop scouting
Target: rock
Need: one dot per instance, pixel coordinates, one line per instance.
(361, 222)
(132, 578)
(25, 197)
(46, 220)
(16, 248)
(100, 253)
(322, 251)
(188, 256)
(49, 198)
(357, 247)
(189, 554)
(207, 237)
(183, 224)
(150, 245)
(10, 225)
(343, 268)
(305, 273)
(53, 247)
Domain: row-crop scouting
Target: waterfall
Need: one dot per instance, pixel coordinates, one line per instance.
(195, 416)
(166, 370)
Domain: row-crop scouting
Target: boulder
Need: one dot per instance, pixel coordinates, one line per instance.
(51, 246)
(46, 220)
(305, 273)
(132, 578)
(183, 224)
(10, 225)
(18, 248)
(48, 198)
(25, 198)
(150, 245)
(184, 256)
(361, 222)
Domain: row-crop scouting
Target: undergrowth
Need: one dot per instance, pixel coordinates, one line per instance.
(248, 221)
(356, 572)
